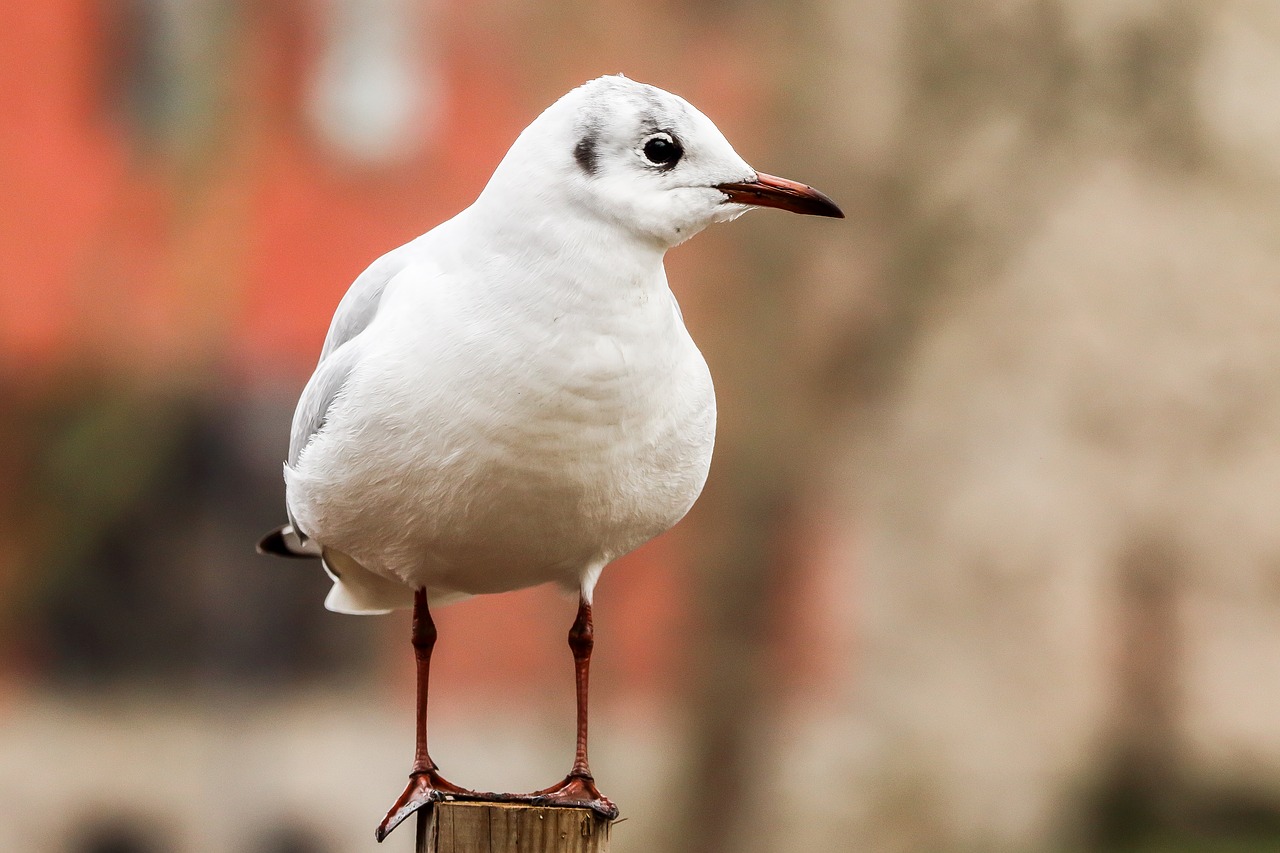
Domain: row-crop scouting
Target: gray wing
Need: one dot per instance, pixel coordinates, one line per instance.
(308, 419)
(338, 359)
(338, 356)
(360, 304)
(317, 398)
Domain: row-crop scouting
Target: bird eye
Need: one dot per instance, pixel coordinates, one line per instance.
(663, 150)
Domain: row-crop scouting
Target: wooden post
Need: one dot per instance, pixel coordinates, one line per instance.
(460, 827)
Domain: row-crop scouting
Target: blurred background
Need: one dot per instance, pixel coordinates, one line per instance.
(989, 558)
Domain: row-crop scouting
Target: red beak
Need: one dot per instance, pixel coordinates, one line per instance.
(768, 191)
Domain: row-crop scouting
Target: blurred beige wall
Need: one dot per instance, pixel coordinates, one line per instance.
(1068, 479)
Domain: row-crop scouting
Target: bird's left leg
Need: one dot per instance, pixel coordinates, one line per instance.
(579, 788)
(425, 784)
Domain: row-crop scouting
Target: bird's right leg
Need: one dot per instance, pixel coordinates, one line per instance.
(578, 789)
(425, 784)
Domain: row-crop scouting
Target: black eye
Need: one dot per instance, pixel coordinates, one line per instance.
(663, 150)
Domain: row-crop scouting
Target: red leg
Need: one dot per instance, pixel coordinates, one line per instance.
(425, 784)
(578, 788)
(582, 640)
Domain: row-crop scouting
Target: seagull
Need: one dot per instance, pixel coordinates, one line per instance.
(512, 399)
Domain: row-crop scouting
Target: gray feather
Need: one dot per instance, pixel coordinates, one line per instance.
(318, 397)
(360, 304)
(338, 356)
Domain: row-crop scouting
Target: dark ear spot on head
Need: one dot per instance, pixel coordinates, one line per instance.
(585, 151)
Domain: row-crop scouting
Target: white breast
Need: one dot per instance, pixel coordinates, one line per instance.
(482, 447)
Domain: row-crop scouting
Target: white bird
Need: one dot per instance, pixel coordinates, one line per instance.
(512, 399)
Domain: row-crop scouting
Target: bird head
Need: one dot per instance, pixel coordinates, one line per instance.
(647, 161)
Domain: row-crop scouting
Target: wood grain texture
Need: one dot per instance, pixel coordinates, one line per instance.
(454, 827)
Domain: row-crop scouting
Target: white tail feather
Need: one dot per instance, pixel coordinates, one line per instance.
(360, 592)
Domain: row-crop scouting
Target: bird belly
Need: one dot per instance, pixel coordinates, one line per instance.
(529, 480)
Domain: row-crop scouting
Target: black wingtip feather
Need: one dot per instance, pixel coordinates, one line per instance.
(275, 545)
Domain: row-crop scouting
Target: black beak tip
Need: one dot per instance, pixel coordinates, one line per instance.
(827, 207)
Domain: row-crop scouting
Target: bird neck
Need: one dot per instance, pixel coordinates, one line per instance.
(581, 254)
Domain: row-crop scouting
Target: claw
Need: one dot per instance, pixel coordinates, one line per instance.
(424, 788)
(576, 791)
